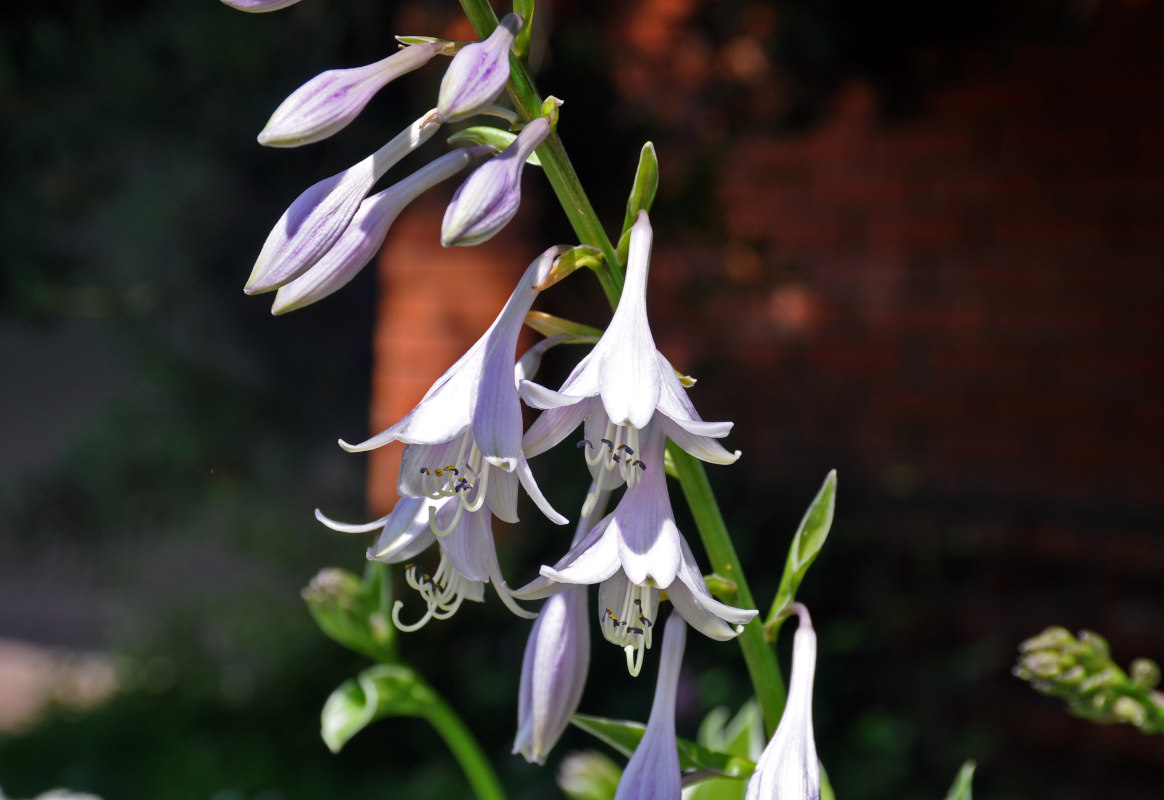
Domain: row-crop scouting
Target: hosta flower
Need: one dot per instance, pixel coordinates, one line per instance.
(653, 771)
(259, 6)
(329, 101)
(319, 216)
(468, 556)
(621, 386)
(464, 436)
(489, 198)
(365, 233)
(478, 73)
(788, 768)
(634, 553)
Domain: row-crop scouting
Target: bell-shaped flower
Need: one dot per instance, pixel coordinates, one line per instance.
(468, 556)
(788, 768)
(621, 386)
(464, 436)
(634, 553)
(332, 99)
(259, 6)
(489, 198)
(319, 216)
(478, 73)
(365, 234)
(653, 770)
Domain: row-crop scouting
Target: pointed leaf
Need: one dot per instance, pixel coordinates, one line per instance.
(624, 736)
(806, 546)
(961, 788)
(385, 690)
(524, 9)
(642, 195)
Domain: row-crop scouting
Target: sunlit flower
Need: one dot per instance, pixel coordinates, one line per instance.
(623, 384)
(468, 556)
(366, 232)
(332, 99)
(634, 553)
(478, 73)
(259, 6)
(489, 198)
(319, 216)
(653, 770)
(464, 436)
(788, 768)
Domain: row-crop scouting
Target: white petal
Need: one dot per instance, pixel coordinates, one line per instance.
(531, 488)
(592, 560)
(552, 425)
(406, 533)
(648, 540)
(702, 611)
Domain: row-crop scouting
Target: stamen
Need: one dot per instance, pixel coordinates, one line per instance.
(638, 603)
(443, 593)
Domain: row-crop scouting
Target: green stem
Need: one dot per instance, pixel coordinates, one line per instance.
(758, 655)
(465, 749)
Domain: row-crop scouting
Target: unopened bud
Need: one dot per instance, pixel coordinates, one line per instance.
(478, 73)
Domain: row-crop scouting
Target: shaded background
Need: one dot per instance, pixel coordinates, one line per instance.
(919, 245)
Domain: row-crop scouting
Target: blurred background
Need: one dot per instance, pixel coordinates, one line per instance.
(915, 242)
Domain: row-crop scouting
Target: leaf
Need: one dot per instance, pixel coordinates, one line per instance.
(385, 690)
(525, 8)
(961, 788)
(740, 736)
(487, 134)
(642, 195)
(624, 737)
(806, 546)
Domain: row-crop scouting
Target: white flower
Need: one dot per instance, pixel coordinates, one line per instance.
(464, 436)
(788, 768)
(634, 553)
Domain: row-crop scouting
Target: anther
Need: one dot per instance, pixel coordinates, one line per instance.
(609, 444)
(585, 443)
(629, 452)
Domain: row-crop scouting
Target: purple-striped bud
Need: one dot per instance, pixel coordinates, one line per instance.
(329, 101)
(478, 73)
(488, 199)
(365, 234)
(553, 673)
(259, 6)
(317, 218)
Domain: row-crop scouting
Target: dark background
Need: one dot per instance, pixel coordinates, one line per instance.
(916, 243)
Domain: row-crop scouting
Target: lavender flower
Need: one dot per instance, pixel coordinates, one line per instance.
(259, 6)
(329, 101)
(653, 771)
(788, 768)
(365, 233)
(318, 217)
(478, 73)
(489, 198)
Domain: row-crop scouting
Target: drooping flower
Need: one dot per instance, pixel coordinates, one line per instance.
(259, 6)
(319, 216)
(332, 99)
(634, 553)
(653, 770)
(621, 386)
(464, 437)
(788, 768)
(363, 237)
(489, 198)
(478, 73)
(468, 555)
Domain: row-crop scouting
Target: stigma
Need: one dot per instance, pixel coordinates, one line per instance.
(630, 624)
(442, 592)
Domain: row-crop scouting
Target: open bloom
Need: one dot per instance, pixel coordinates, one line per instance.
(332, 99)
(319, 216)
(366, 232)
(468, 556)
(478, 73)
(464, 436)
(653, 771)
(788, 768)
(489, 198)
(634, 553)
(623, 384)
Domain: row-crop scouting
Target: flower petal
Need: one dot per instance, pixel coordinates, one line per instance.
(552, 425)
(592, 560)
(703, 612)
(648, 539)
(478, 73)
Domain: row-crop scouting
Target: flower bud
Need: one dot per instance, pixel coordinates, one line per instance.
(362, 239)
(318, 217)
(489, 198)
(329, 101)
(478, 73)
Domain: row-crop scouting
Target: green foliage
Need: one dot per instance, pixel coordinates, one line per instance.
(806, 546)
(741, 736)
(960, 790)
(1081, 672)
(487, 134)
(385, 690)
(642, 195)
(354, 612)
(624, 737)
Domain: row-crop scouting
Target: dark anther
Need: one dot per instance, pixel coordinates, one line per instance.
(424, 470)
(629, 452)
(609, 444)
(585, 443)
(638, 631)
(641, 464)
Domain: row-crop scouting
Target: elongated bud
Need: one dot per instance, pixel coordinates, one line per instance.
(318, 217)
(489, 198)
(478, 73)
(329, 101)
(259, 6)
(366, 232)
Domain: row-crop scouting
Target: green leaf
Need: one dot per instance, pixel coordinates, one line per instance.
(487, 134)
(385, 690)
(353, 611)
(624, 737)
(961, 788)
(642, 195)
(806, 546)
(742, 736)
(525, 8)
